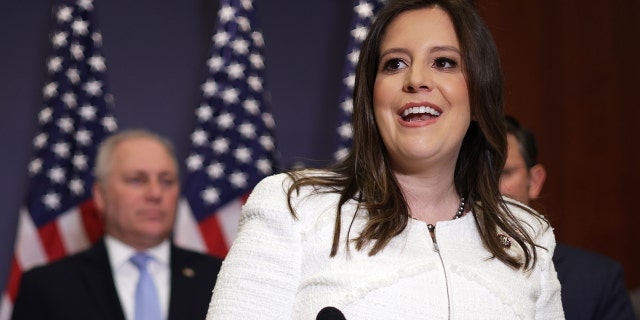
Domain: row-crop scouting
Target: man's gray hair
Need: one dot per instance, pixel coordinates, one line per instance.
(105, 151)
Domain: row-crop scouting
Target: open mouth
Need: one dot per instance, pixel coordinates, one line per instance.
(421, 113)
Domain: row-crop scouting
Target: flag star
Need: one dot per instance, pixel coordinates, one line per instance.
(204, 113)
(256, 60)
(51, 201)
(268, 120)
(341, 153)
(251, 106)
(220, 38)
(76, 186)
(220, 145)
(80, 27)
(50, 90)
(226, 13)
(209, 88)
(199, 138)
(59, 39)
(257, 39)
(349, 81)
(247, 4)
(215, 170)
(69, 100)
(97, 39)
(87, 112)
(93, 87)
(97, 63)
(194, 162)
(40, 140)
(243, 154)
(56, 174)
(247, 130)
(230, 95)
(267, 143)
(240, 46)
(86, 4)
(238, 179)
(353, 57)
(359, 33)
(77, 51)
(61, 149)
(364, 10)
(80, 161)
(210, 195)
(54, 64)
(64, 14)
(45, 115)
(83, 137)
(244, 24)
(255, 83)
(225, 121)
(347, 106)
(345, 131)
(65, 124)
(35, 166)
(73, 75)
(264, 166)
(215, 63)
(235, 71)
(109, 123)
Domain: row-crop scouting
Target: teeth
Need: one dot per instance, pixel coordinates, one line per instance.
(421, 109)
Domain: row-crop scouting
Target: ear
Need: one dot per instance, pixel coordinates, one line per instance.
(537, 176)
(98, 198)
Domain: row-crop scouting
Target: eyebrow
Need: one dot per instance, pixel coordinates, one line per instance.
(433, 49)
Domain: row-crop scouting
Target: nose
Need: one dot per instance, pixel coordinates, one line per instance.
(418, 78)
(154, 190)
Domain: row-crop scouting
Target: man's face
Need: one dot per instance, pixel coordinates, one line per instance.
(138, 198)
(515, 178)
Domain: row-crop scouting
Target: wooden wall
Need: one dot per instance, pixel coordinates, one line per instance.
(572, 76)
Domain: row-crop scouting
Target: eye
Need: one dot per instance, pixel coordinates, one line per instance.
(394, 64)
(506, 173)
(445, 63)
(134, 179)
(168, 181)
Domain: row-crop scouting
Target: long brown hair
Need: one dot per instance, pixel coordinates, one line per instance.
(365, 174)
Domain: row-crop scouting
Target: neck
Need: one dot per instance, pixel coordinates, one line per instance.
(429, 199)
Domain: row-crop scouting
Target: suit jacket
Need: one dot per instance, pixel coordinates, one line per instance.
(82, 287)
(592, 285)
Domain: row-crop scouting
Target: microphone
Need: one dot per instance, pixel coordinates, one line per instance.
(330, 313)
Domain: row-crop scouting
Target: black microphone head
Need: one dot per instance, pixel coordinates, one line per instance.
(330, 313)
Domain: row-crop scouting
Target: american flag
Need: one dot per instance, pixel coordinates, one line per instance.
(233, 145)
(58, 217)
(364, 12)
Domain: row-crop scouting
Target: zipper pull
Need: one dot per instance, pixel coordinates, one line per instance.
(432, 232)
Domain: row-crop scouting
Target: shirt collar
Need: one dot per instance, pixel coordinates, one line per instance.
(119, 252)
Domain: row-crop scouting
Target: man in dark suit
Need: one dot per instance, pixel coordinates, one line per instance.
(592, 284)
(136, 192)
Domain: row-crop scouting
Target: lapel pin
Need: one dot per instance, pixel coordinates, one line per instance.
(188, 272)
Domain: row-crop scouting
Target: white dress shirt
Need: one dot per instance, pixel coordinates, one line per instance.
(125, 273)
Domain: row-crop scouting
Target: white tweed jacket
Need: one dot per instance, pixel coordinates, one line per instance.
(279, 267)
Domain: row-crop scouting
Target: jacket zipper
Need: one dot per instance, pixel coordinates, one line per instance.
(432, 232)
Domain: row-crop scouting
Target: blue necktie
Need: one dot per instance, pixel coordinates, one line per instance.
(147, 305)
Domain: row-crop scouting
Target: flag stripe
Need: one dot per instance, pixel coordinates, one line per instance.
(72, 231)
(52, 241)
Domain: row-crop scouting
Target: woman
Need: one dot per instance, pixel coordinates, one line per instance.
(410, 225)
